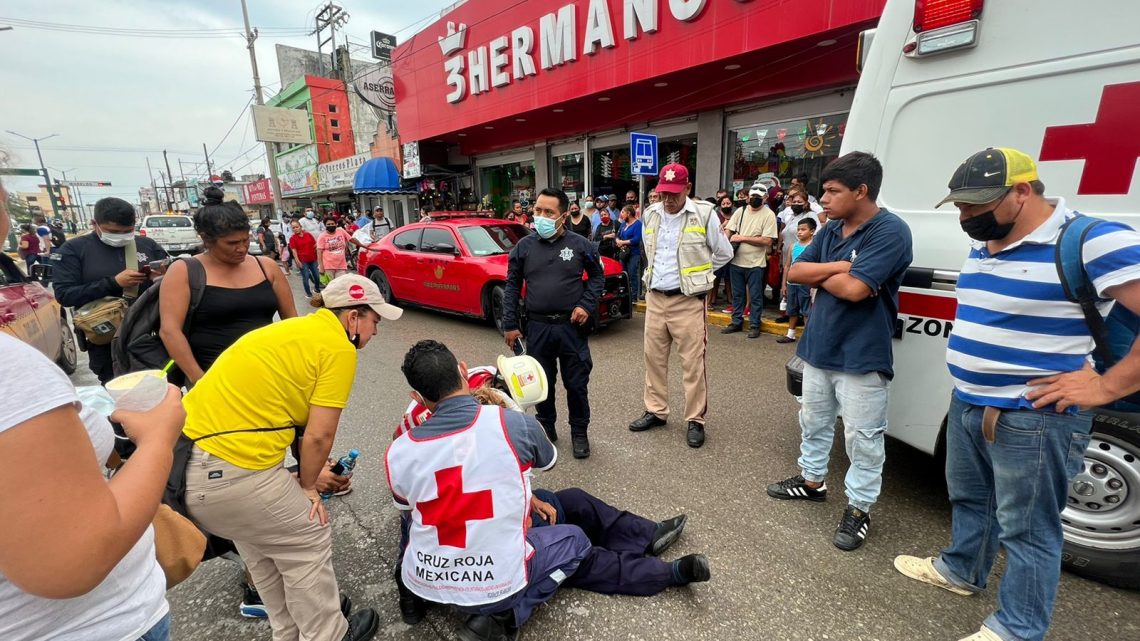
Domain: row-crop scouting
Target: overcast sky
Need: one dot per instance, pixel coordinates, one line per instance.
(115, 100)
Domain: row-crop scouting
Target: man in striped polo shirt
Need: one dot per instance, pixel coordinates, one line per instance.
(1019, 355)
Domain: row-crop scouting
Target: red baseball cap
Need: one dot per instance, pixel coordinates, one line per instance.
(673, 179)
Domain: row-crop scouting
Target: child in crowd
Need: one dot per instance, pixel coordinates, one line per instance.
(798, 296)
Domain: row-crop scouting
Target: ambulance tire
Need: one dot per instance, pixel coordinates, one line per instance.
(1104, 544)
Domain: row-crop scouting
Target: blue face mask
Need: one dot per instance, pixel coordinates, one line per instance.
(546, 227)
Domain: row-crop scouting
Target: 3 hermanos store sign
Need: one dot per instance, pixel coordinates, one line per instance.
(557, 39)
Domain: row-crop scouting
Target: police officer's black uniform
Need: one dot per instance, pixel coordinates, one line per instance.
(552, 270)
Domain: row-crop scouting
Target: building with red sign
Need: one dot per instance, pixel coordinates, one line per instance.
(545, 92)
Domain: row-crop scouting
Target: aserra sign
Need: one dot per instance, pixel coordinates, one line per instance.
(495, 64)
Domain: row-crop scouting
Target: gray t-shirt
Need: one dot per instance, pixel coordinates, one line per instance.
(132, 599)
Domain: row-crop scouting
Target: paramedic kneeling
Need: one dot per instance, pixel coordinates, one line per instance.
(1019, 358)
(464, 477)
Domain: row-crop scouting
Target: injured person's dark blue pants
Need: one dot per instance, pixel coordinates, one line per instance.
(592, 546)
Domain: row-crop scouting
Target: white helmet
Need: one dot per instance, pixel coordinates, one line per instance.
(525, 379)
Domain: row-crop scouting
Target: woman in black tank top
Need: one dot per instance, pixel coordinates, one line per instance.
(241, 293)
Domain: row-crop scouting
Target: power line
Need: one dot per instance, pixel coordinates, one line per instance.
(95, 148)
(231, 129)
(149, 32)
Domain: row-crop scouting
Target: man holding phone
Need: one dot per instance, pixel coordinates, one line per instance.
(560, 305)
(96, 266)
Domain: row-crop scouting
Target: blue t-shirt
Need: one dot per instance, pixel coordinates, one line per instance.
(798, 249)
(856, 337)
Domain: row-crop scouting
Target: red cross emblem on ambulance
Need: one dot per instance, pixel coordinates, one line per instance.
(453, 508)
(1109, 146)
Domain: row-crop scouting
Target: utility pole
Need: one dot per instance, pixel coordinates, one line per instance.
(43, 168)
(209, 170)
(169, 175)
(329, 17)
(153, 186)
(270, 158)
(169, 192)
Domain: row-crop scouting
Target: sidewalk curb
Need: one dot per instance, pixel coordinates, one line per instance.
(720, 319)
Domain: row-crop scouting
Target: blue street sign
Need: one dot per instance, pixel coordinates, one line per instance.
(643, 154)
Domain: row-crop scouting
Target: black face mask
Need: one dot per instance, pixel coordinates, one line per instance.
(985, 227)
(797, 209)
(726, 210)
(756, 202)
(330, 228)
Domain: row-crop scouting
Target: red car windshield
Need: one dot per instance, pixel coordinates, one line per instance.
(492, 239)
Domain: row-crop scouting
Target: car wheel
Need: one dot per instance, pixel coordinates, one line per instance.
(1102, 518)
(68, 351)
(497, 307)
(381, 281)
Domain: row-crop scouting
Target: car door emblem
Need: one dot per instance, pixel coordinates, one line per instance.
(439, 271)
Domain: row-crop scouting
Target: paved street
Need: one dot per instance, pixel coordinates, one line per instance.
(776, 574)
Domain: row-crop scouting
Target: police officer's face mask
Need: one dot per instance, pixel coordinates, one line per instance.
(116, 240)
(546, 227)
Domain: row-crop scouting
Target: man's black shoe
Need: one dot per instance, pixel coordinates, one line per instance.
(362, 625)
(581, 445)
(497, 627)
(693, 568)
(647, 421)
(797, 488)
(696, 435)
(732, 329)
(853, 529)
(666, 534)
(412, 607)
(345, 604)
(551, 433)
(754, 332)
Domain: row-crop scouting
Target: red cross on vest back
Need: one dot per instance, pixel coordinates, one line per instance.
(1109, 146)
(453, 508)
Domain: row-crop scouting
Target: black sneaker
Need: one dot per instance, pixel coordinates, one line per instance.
(732, 329)
(693, 568)
(647, 421)
(551, 433)
(581, 445)
(666, 534)
(754, 332)
(796, 488)
(853, 529)
(362, 625)
(251, 604)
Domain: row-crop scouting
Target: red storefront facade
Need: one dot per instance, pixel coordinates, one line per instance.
(549, 89)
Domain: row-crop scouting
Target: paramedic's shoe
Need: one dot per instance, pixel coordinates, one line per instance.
(924, 570)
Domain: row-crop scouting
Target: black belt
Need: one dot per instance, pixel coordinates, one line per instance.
(667, 292)
(550, 319)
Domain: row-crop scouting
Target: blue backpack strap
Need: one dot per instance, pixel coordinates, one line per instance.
(1075, 281)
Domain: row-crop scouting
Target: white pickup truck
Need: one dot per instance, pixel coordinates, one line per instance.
(174, 233)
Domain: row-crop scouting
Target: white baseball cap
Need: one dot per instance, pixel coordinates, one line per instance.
(351, 290)
(758, 190)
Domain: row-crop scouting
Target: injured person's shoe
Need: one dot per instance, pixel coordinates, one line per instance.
(667, 533)
(693, 568)
(496, 627)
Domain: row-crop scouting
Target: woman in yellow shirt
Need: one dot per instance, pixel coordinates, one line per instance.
(291, 376)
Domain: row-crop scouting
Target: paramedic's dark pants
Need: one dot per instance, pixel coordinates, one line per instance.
(562, 346)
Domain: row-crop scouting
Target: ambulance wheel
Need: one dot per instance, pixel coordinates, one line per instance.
(68, 352)
(1102, 519)
(377, 276)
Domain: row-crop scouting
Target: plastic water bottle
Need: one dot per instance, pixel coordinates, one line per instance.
(343, 467)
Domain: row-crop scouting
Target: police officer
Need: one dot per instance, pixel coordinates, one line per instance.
(559, 308)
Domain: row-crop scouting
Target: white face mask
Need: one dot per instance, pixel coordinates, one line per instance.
(116, 240)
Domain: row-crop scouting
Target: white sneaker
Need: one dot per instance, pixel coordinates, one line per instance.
(985, 634)
(923, 570)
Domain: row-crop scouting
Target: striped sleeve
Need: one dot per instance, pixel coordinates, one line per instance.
(1112, 255)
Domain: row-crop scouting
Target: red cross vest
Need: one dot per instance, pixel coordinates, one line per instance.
(470, 498)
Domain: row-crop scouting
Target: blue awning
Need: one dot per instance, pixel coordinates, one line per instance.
(379, 176)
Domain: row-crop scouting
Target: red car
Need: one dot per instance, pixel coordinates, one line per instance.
(457, 263)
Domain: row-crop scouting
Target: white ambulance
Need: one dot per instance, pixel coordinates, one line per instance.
(942, 79)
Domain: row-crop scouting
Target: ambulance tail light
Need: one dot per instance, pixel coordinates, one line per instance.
(944, 25)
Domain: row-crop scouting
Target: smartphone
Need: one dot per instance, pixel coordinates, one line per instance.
(146, 269)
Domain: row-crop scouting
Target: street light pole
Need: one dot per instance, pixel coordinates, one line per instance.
(270, 159)
(70, 189)
(43, 168)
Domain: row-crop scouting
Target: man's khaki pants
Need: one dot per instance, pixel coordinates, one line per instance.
(682, 320)
(266, 514)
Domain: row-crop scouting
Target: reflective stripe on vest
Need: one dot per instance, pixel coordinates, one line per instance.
(467, 541)
(694, 258)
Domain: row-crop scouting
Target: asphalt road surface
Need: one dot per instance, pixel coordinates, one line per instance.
(775, 573)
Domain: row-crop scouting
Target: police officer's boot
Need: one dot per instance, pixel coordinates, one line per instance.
(581, 445)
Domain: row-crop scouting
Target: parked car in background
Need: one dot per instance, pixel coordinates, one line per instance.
(175, 233)
(29, 312)
(457, 263)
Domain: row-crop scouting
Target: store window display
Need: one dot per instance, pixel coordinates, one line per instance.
(786, 149)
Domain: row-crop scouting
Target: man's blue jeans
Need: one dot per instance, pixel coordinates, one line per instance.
(748, 280)
(862, 401)
(1011, 493)
(632, 267)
